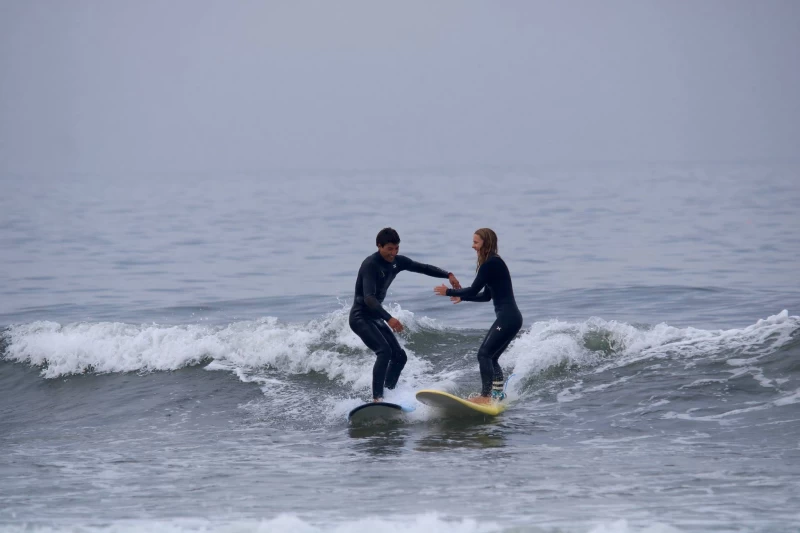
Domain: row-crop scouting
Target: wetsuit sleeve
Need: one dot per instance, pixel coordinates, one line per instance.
(471, 292)
(369, 284)
(484, 296)
(420, 268)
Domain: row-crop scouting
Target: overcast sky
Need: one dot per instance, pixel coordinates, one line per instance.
(247, 86)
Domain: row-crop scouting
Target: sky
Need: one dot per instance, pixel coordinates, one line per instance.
(111, 86)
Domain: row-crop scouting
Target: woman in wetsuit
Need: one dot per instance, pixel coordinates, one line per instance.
(492, 282)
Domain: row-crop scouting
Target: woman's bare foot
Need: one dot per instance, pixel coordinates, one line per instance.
(481, 400)
(376, 400)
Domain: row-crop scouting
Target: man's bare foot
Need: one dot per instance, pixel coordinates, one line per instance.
(481, 400)
(376, 400)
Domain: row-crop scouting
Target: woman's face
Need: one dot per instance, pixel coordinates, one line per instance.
(477, 243)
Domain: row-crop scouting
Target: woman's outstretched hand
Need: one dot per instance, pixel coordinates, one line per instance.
(441, 290)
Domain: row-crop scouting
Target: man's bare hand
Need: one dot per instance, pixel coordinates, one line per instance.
(454, 282)
(395, 324)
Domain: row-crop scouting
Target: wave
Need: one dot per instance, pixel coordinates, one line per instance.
(106, 347)
(565, 360)
(601, 344)
(661, 371)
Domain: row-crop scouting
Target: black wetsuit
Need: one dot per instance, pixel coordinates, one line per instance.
(368, 317)
(495, 280)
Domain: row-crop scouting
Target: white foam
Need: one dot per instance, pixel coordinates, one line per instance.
(721, 418)
(272, 353)
(265, 351)
(421, 523)
(754, 341)
(570, 394)
(728, 416)
(545, 345)
(622, 526)
(788, 399)
(555, 343)
(107, 347)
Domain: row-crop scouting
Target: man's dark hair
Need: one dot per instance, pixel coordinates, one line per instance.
(386, 236)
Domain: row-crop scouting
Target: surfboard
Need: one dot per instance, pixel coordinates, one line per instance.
(457, 406)
(453, 405)
(375, 411)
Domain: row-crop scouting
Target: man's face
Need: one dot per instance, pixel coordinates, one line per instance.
(389, 251)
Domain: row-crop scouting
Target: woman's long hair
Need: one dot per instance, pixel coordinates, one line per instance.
(489, 247)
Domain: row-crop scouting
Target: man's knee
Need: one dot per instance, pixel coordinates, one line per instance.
(384, 352)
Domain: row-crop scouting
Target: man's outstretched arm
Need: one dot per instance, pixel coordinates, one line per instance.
(429, 270)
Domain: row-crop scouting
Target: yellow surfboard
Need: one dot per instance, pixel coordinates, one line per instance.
(456, 406)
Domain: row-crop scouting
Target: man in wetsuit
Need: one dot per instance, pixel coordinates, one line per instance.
(368, 318)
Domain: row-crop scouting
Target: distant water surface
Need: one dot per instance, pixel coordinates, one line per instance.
(175, 353)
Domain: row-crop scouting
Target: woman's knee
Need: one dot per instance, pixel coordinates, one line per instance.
(484, 355)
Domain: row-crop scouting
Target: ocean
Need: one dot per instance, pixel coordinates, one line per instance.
(175, 353)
